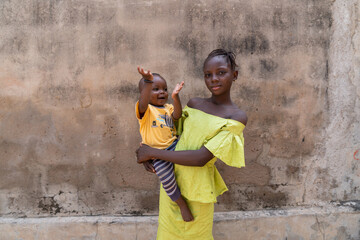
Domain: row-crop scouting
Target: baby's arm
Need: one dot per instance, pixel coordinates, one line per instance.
(144, 98)
(177, 103)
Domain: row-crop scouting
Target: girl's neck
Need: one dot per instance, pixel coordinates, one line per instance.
(221, 100)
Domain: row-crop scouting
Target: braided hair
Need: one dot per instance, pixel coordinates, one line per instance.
(230, 57)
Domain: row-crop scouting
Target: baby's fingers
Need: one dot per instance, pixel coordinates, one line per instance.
(181, 85)
(178, 87)
(149, 167)
(143, 72)
(140, 70)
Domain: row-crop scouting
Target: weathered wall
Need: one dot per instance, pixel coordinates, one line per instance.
(299, 223)
(69, 84)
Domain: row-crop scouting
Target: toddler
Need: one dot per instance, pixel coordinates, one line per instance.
(157, 130)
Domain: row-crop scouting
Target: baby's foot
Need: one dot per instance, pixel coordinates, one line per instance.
(186, 214)
(184, 209)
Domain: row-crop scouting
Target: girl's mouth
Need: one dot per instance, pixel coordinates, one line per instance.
(215, 87)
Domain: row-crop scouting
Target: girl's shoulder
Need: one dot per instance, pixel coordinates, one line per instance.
(195, 102)
(239, 115)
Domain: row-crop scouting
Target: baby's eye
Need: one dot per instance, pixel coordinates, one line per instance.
(155, 89)
(165, 89)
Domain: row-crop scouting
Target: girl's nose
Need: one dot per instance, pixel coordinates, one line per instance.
(214, 78)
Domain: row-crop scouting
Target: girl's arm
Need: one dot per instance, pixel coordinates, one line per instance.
(177, 103)
(144, 98)
(187, 158)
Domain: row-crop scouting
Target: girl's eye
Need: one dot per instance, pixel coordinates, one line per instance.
(207, 75)
(221, 73)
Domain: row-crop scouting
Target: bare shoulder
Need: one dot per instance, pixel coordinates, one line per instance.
(195, 102)
(239, 115)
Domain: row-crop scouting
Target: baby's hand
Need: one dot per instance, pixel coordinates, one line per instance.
(145, 74)
(177, 89)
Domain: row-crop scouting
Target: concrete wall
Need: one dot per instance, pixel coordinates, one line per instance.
(69, 84)
(333, 222)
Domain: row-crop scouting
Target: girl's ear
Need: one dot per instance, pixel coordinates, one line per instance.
(236, 74)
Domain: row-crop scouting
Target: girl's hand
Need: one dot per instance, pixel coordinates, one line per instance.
(177, 89)
(143, 153)
(145, 74)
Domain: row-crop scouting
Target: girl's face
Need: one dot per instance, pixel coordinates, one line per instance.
(218, 75)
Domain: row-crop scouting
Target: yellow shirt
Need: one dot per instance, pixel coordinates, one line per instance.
(156, 126)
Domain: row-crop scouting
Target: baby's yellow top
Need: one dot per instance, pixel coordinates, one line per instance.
(223, 138)
(156, 125)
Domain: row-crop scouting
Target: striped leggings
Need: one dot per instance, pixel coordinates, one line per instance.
(165, 172)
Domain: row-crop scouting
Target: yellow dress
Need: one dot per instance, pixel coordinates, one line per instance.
(200, 185)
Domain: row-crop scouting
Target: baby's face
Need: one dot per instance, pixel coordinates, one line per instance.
(159, 94)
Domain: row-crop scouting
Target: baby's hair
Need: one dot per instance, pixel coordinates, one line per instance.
(141, 82)
(230, 57)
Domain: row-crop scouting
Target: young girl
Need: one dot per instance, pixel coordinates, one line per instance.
(212, 129)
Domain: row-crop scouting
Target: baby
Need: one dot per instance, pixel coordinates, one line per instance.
(157, 130)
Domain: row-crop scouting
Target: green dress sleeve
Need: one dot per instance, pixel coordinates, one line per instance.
(228, 145)
(179, 124)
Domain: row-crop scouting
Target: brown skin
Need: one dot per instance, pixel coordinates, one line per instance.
(155, 93)
(218, 77)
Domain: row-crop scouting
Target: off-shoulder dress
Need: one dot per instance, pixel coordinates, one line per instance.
(200, 186)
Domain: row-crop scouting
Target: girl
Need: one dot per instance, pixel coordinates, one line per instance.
(212, 129)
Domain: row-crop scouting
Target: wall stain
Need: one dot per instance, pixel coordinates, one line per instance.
(55, 94)
(319, 17)
(292, 171)
(128, 90)
(285, 19)
(194, 46)
(149, 202)
(268, 65)
(253, 43)
(115, 44)
(249, 93)
(86, 100)
(49, 205)
(266, 197)
(16, 44)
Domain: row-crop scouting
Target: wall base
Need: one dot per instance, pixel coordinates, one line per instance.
(333, 221)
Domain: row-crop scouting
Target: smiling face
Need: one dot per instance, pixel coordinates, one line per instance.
(159, 94)
(218, 75)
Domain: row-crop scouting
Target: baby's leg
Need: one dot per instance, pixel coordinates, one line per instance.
(165, 172)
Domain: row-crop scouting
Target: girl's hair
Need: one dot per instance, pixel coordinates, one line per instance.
(230, 57)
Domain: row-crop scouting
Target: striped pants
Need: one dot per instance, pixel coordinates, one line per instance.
(165, 172)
